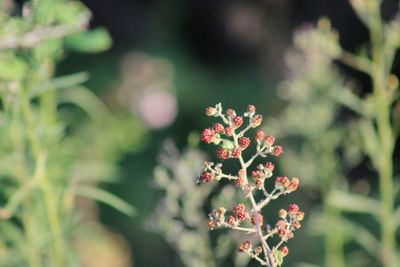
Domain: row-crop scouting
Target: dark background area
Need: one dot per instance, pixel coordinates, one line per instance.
(212, 64)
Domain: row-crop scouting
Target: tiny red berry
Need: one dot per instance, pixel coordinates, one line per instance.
(236, 152)
(239, 207)
(284, 251)
(260, 219)
(282, 232)
(228, 131)
(230, 220)
(269, 166)
(222, 153)
(237, 121)
(207, 135)
(244, 142)
(206, 177)
(218, 128)
(269, 140)
(241, 215)
(293, 209)
(278, 150)
(259, 135)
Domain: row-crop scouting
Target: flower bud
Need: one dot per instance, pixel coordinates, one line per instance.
(251, 109)
(256, 121)
(284, 251)
(282, 213)
(259, 135)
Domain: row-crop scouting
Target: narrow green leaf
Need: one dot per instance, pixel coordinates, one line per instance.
(85, 99)
(94, 41)
(63, 82)
(106, 198)
(362, 236)
(353, 203)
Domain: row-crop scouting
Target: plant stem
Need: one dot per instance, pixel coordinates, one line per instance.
(269, 259)
(386, 141)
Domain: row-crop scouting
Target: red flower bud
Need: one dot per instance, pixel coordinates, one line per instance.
(237, 121)
(284, 251)
(259, 135)
(230, 220)
(251, 109)
(256, 121)
(228, 131)
(269, 140)
(260, 219)
(269, 166)
(206, 177)
(207, 135)
(210, 111)
(294, 183)
(244, 142)
(230, 112)
(236, 152)
(218, 128)
(293, 209)
(222, 153)
(277, 150)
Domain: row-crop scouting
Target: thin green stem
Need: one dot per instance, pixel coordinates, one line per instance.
(386, 142)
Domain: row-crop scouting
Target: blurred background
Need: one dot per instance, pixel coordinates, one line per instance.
(170, 60)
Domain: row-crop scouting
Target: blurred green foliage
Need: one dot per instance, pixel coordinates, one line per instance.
(51, 153)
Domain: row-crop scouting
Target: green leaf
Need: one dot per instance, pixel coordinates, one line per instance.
(11, 67)
(278, 256)
(66, 81)
(106, 198)
(94, 41)
(228, 145)
(353, 203)
(86, 100)
(362, 236)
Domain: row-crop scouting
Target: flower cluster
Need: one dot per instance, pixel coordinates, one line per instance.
(229, 137)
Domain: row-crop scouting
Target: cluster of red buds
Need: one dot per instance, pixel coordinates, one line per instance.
(229, 137)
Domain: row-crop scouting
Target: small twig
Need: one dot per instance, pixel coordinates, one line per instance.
(32, 38)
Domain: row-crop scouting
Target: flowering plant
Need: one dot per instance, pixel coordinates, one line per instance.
(232, 142)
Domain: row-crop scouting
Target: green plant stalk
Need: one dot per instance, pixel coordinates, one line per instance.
(386, 142)
(33, 256)
(333, 239)
(49, 198)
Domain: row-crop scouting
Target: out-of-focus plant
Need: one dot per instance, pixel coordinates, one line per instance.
(48, 158)
(337, 125)
(310, 119)
(180, 214)
(232, 143)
